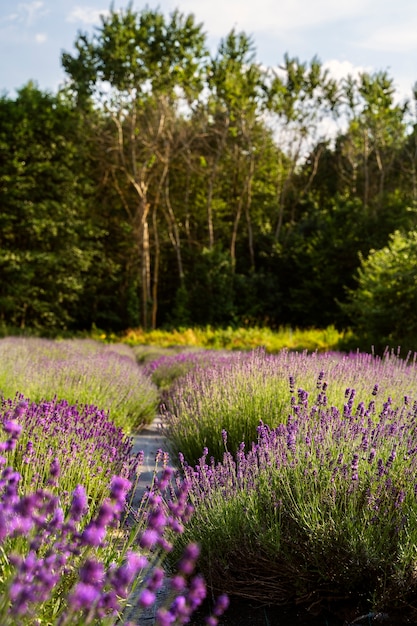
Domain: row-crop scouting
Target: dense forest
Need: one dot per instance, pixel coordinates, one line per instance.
(166, 185)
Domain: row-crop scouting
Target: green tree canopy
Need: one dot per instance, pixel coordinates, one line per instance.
(47, 243)
(139, 67)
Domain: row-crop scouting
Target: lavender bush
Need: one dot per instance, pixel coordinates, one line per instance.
(80, 371)
(320, 508)
(60, 566)
(235, 393)
(166, 369)
(80, 444)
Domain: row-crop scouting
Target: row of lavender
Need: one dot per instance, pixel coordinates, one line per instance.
(306, 491)
(81, 372)
(72, 550)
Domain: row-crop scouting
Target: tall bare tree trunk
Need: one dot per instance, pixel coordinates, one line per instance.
(212, 179)
(247, 211)
(155, 280)
(142, 239)
(365, 170)
(234, 232)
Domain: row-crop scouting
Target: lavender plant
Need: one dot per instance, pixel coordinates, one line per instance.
(166, 369)
(80, 444)
(234, 394)
(81, 371)
(61, 567)
(322, 507)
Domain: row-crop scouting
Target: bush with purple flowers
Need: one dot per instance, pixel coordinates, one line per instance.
(166, 369)
(62, 566)
(235, 393)
(77, 444)
(81, 372)
(321, 506)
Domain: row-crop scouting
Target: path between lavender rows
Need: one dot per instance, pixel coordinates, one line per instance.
(150, 439)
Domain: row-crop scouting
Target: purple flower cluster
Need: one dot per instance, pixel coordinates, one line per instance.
(84, 371)
(167, 369)
(67, 440)
(53, 545)
(236, 393)
(319, 436)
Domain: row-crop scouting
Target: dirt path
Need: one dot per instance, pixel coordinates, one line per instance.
(149, 440)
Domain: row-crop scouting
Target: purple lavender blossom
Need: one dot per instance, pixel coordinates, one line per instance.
(74, 433)
(84, 597)
(147, 598)
(79, 504)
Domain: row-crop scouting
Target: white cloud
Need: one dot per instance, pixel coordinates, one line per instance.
(18, 26)
(341, 69)
(26, 13)
(86, 15)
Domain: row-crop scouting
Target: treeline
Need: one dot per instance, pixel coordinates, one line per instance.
(164, 185)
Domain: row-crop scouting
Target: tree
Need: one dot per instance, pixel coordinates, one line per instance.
(376, 132)
(407, 159)
(235, 106)
(140, 68)
(300, 96)
(333, 222)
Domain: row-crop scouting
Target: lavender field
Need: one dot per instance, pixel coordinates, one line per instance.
(79, 371)
(72, 548)
(296, 483)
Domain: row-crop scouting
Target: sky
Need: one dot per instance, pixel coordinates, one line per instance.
(346, 35)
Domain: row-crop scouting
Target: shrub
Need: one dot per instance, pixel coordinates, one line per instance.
(383, 307)
(321, 507)
(234, 394)
(81, 371)
(168, 368)
(61, 566)
(79, 442)
(242, 338)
